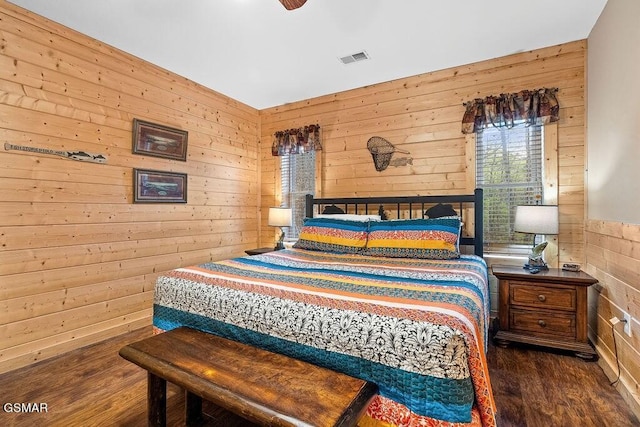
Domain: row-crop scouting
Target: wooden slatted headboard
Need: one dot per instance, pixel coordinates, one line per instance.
(411, 207)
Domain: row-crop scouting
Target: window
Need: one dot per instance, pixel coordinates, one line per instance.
(509, 168)
(298, 177)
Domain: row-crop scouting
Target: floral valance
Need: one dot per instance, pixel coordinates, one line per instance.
(537, 106)
(296, 141)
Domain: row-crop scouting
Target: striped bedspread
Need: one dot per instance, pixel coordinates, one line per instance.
(416, 328)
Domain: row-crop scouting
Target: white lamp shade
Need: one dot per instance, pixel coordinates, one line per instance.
(536, 219)
(280, 217)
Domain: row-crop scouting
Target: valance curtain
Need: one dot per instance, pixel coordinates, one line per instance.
(537, 106)
(296, 141)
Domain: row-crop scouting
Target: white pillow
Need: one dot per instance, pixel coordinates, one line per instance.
(350, 217)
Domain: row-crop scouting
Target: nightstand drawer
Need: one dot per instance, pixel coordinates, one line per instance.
(522, 293)
(542, 323)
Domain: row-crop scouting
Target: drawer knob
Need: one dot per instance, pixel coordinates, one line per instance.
(542, 298)
(542, 323)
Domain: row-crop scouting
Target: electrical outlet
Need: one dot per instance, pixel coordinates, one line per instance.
(627, 323)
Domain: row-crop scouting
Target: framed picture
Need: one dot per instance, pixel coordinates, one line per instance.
(159, 141)
(159, 187)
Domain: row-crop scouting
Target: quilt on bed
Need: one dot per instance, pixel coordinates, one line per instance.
(416, 328)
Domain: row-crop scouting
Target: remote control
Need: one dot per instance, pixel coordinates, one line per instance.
(571, 267)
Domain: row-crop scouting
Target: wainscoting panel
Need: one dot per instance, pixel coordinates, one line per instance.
(613, 257)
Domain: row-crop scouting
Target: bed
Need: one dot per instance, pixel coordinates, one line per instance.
(392, 296)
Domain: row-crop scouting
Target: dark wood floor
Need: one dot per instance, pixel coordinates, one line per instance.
(95, 387)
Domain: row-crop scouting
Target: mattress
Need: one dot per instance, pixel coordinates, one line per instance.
(415, 327)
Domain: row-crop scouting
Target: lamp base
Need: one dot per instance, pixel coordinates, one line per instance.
(280, 243)
(536, 262)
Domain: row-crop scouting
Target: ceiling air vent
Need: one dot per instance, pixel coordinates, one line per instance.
(360, 56)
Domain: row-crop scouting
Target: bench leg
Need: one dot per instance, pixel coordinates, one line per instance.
(193, 409)
(156, 400)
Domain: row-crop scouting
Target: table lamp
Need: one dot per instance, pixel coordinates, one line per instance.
(280, 217)
(536, 219)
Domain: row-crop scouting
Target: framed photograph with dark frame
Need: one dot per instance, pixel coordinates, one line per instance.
(159, 141)
(151, 186)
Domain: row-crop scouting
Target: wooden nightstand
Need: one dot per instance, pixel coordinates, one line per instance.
(548, 308)
(258, 251)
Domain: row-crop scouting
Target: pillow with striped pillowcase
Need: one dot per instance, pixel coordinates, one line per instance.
(333, 235)
(435, 238)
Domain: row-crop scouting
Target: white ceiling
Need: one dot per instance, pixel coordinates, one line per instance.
(257, 52)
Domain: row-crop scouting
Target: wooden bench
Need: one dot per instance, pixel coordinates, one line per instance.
(263, 387)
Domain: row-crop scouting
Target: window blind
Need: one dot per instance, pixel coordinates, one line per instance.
(509, 168)
(298, 177)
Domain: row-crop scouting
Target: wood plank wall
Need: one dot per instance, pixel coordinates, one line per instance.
(613, 255)
(78, 259)
(422, 114)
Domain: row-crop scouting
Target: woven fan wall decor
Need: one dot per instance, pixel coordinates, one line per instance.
(382, 151)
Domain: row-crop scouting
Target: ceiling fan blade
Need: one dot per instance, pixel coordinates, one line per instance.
(292, 4)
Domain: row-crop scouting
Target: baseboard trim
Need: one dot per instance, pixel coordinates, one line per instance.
(624, 386)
